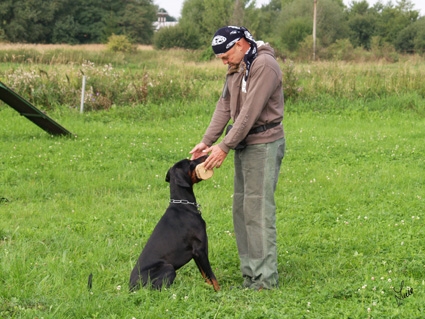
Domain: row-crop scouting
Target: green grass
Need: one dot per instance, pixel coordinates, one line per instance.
(350, 214)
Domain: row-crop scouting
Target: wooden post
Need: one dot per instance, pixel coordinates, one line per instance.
(314, 29)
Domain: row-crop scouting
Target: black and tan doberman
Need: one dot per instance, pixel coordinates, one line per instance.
(179, 236)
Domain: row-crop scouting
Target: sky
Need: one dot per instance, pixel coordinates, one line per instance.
(174, 7)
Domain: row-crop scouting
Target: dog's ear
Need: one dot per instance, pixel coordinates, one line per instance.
(180, 174)
(167, 177)
(182, 178)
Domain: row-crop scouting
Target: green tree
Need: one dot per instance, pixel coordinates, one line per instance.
(294, 32)
(296, 22)
(111, 23)
(238, 13)
(361, 22)
(412, 38)
(76, 21)
(28, 21)
(65, 30)
(420, 36)
(206, 16)
(5, 16)
(89, 18)
(136, 20)
(393, 19)
(260, 21)
(331, 24)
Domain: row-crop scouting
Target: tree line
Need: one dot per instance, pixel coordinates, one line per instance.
(287, 24)
(75, 21)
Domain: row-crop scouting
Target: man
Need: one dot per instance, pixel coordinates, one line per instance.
(253, 98)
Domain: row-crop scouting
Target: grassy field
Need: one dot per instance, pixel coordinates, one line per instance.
(350, 210)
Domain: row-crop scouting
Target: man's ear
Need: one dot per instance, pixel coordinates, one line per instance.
(241, 45)
(238, 45)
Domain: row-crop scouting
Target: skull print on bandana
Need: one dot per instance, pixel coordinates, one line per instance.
(225, 38)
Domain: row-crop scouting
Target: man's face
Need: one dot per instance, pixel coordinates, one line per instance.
(234, 56)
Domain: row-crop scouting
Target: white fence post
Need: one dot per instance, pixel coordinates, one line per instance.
(82, 94)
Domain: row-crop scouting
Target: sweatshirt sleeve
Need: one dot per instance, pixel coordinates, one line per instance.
(218, 122)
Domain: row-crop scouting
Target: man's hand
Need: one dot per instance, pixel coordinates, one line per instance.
(216, 158)
(198, 151)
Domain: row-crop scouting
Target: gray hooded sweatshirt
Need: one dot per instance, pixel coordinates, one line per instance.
(250, 104)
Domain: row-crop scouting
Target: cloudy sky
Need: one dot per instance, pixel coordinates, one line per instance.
(174, 7)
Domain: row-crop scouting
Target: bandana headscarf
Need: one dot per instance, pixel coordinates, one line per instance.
(226, 37)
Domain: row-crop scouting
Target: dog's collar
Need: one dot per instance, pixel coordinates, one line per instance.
(186, 202)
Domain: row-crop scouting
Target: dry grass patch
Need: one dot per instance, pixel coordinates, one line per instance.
(48, 47)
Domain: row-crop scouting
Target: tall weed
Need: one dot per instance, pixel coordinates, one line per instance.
(176, 76)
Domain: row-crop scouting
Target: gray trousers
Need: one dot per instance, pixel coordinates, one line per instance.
(254, 212)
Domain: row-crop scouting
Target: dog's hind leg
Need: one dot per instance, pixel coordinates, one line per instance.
(163, 276)
(137, 278)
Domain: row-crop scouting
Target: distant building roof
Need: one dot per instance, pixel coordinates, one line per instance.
(162, 20)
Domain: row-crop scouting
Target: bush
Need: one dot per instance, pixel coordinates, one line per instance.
(120, 43)
(305, 48)
(291, 86)
(382, 50)
(176, 37)
(340, 50)
(3, 37)
(294, 32)
(207, 54)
